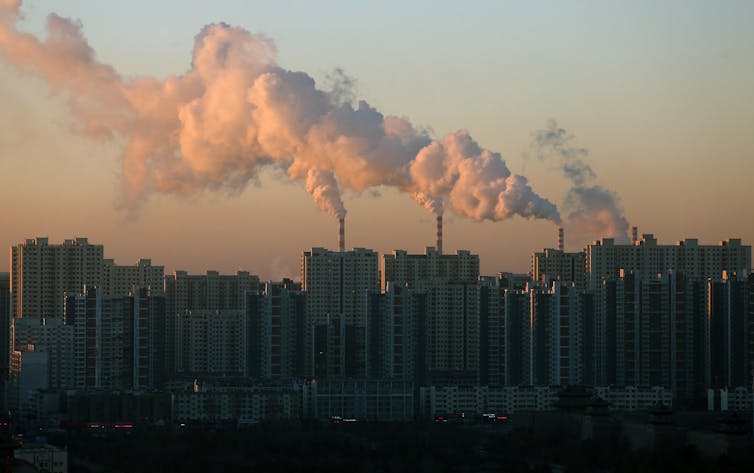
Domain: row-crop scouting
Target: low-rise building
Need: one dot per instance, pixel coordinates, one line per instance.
(439, 400)
(371, 400)
(237, 403)
(44, 457)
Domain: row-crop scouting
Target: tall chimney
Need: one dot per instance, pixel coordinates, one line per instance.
(561, 239)
(634, 235)
(342, 235)
(439, 234)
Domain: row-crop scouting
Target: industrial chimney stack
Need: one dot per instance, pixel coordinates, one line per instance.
(342, 235)
(439, 234)
(634, 235)
(561, 239)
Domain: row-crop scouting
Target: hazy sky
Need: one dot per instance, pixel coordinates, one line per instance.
(659, 92)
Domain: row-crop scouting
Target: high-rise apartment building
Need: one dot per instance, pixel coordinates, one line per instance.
(402, 267)
(41, 274)
(729, 330)
(687, 315)
(100, 346)
(147, 327)
(201, 292)
(5, 336)
(397, 335)
(452, 303)
(548, 336)
(337, 286)
(646, 258)
(492, 360)
(513, 281)
(211, 291)
(518, 338)
(278, 332)
(119, 280)
(338, 282)
(452, 325)
(56, 339)
(654, 334)
(118, 340)
(211, 343)
(557, 325)
(551, 265)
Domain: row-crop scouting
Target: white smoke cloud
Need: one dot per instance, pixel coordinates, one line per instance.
(236, 110)
(432, 204)
(474, 181)
(596, 210)
(324, 190)
(591, 208)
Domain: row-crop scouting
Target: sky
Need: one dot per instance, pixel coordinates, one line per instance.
(660, 95)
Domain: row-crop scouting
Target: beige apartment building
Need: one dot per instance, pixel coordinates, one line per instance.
(42, 273)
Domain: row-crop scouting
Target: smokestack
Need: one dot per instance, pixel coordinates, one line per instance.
(634, 235)
(439, 234)
(561, 239)
(342, 235)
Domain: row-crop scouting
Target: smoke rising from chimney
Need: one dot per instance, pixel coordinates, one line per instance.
(591, 208)
(236, 111)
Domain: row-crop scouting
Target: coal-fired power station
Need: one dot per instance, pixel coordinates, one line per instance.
(561, 239)
(342, 235)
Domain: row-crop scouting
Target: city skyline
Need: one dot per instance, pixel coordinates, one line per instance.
(645, 315)
(691, 180)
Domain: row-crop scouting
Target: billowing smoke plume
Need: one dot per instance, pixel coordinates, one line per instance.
(591, 208)
(434, 205)
(235, 111)
(476, 182)
(324, 190)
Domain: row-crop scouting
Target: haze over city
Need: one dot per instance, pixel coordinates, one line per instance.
(654, 102)
(376, 236)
